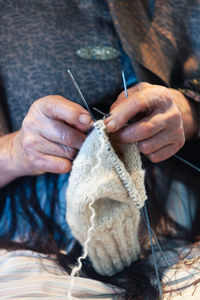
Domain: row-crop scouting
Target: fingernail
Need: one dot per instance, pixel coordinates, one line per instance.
(85, 119)
(111, 125)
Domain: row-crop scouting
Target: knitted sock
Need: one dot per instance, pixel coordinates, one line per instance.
(116, 191)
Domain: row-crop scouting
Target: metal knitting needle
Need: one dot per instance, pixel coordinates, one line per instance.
(153, 251)
(187, 163)
(80, 93)
(147, 216)
(101, 113)
(124, 83)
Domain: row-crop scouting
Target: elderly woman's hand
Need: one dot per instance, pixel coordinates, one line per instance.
(52, 132)
(162, 119)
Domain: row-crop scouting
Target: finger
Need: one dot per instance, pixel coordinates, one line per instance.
(148, 100)
(141, 130)
(161, 140)
(44, 146)
(122, 97)
(163, 153)
(53, 164)
(61, 133)
(140, 86)
(64, 134)
(42, 163)
(59, 108)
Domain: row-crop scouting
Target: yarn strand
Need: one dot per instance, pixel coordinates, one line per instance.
(78, 267)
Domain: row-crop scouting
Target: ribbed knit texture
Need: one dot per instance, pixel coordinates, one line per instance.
(116, 189)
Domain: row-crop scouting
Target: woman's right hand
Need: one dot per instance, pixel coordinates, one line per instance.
(51, 133)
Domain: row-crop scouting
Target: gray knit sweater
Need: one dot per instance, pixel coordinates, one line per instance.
(38, 42)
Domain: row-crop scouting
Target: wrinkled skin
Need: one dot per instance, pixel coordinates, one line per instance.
(51, 133)
(162, 120)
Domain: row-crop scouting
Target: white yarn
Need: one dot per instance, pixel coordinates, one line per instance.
(77, 268)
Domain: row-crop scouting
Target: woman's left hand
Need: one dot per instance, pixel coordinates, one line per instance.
(162, 120)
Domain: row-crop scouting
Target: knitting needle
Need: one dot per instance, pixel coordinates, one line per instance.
(153, 234)
(153, 251)
(101, 113)
(124, 83)
(146, 215)
(187, 162)
(80, 93)
(126, 94)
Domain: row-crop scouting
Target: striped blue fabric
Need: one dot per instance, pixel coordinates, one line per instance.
(29, 275)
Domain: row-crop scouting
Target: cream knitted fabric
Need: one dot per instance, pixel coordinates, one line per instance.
(116, 190)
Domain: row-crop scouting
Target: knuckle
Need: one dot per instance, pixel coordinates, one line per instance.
(54, 106)
(29, 142)
(174, 120)
(34, 161)
(142, 85)
(164, 98)
(149, 129)
(176, 116)
(29, 123)
(139, 86)
(166, 94)
(154, 158)
(145, 147)
(66, 138)
(72, 153)
(50, 106)
(136, 102)
(166, 91)
(69, 152)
